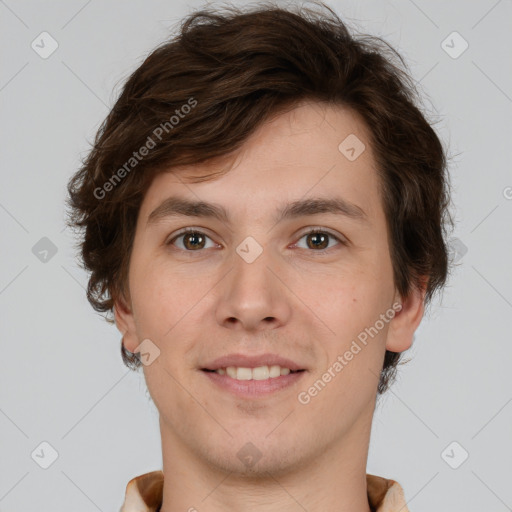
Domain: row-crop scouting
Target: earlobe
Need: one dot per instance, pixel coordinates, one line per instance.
(402, 327)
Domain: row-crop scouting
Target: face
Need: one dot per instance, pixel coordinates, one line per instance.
(257, 283)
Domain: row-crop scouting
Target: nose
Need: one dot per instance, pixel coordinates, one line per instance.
(252, 297)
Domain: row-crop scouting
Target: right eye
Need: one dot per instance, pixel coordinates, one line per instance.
(193, 240)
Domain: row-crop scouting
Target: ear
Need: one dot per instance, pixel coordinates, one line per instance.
(406, 321)
(125, 323)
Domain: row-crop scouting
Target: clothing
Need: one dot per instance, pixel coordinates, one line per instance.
(144, 494)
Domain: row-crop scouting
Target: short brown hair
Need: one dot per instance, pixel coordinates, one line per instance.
(233, 69)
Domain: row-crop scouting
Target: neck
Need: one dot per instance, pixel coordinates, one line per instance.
(334, 479)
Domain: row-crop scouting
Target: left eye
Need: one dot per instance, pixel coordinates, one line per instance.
(193, 240)
(318, 239)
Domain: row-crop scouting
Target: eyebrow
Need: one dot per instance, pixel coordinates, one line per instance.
(178, 206)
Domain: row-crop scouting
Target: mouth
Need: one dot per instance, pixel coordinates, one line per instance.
(258, 373)
(252, 376)
(252, 383)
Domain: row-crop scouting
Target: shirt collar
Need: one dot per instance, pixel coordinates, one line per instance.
(144, 494)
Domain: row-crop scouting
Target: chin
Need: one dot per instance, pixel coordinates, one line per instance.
(253, 453)
(252, 462)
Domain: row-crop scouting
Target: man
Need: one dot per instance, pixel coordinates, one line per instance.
(264, 215)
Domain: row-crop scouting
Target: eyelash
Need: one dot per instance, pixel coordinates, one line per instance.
(310, 232)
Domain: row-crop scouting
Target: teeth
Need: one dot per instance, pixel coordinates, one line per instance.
(231, 371)
(259, 373)
(275, 371)
(243, 373)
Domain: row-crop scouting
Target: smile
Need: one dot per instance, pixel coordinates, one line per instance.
(258, 373)
(253, 382)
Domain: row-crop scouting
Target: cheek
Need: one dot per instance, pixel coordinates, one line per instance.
(157, 302)
(168, 310)
(348, 306)
(347, 298)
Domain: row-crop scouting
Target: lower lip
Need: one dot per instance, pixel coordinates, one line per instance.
(254, 388)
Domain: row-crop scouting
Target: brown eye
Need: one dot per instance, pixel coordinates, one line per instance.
(319, 240)
(192, 240)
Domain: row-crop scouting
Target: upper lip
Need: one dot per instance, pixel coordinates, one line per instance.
(246, 361)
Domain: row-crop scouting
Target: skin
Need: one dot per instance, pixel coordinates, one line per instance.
(200, 304)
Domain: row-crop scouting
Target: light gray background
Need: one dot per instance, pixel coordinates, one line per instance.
(62, 379)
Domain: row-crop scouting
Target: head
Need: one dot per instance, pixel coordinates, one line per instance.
(285, 122)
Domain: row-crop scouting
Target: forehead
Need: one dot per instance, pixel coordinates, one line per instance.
(312, 150)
